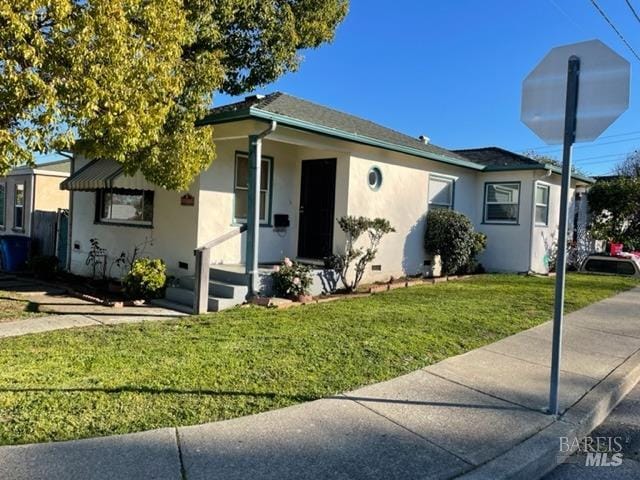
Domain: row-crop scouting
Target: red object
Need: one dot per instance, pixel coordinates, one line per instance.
(615, 249)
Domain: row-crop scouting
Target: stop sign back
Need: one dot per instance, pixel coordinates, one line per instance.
(602, 97)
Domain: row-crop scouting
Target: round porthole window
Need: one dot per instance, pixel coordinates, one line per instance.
(374, 178)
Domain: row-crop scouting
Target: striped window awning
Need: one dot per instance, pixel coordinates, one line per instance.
(104, 174)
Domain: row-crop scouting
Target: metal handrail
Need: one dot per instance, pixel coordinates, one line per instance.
(203, 263)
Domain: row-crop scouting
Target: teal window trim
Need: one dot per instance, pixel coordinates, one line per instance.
(484, 204)
(446, 178)
(546, 206)
(375, 169)
(243, 221)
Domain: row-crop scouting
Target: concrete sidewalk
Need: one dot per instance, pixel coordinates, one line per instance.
(67, 311)
(478, 415)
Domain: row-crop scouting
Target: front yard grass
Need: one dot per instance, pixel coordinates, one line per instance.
(15, 307)
(106, 380)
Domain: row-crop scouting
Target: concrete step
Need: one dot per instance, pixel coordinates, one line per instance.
(218, 288)
(185, 297)
(233, 275)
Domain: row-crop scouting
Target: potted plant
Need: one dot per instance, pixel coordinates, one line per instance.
(292, 280)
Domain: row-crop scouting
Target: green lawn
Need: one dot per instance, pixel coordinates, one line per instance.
(15, 307)
(106, 380)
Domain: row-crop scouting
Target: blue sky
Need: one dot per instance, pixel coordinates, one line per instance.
(453, 70)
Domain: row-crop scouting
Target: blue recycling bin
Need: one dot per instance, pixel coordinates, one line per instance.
(15, 252)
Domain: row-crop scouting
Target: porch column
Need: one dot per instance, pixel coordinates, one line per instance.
(253, 209)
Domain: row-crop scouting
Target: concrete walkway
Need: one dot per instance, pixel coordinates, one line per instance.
(68, 311)
(478, 415)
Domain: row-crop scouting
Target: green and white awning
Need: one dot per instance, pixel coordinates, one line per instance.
(104, 174)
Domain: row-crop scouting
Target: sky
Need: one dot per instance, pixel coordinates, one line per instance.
(452, 70)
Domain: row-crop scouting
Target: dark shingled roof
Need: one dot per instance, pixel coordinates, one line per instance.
(311, 113)
(496, 157)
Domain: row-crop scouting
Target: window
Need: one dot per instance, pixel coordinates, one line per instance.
(542, 204)
(3, 201)
(374, 178)
(441, 192)
(124, 206)
(18, 207)
(501, 202)
(241, 192)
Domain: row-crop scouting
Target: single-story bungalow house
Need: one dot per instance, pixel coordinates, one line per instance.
(24, 190)
(316, 165)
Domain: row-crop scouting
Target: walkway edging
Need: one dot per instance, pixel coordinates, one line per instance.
(540, 454)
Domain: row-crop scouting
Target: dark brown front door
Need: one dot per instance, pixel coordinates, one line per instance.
(317, 198)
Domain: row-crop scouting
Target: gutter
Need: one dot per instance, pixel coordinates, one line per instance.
(548, 168)
(334, 133)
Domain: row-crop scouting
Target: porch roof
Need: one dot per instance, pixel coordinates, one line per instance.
(104, 173)
(304, 115)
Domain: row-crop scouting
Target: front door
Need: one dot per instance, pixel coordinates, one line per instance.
(317, 198)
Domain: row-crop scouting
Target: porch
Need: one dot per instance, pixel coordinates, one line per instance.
(284, 205)
(228, 287)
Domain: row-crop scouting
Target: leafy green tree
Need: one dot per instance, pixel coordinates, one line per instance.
(131, 77)
(615, 211)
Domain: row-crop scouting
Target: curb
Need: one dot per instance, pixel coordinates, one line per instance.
(539, 454)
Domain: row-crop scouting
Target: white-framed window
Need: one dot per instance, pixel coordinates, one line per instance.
(3, 205)
(542, 204)
(18, 207)
(501, 202)
(441, 191)
(125, 207)
(241, 191)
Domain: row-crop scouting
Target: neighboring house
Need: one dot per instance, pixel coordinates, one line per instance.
(25, 190)
(317, 165)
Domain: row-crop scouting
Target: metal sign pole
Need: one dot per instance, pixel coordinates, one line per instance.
(573, 75)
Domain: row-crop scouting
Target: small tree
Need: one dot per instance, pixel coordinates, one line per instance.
(451, 235)
(358, 257)
(615, 211)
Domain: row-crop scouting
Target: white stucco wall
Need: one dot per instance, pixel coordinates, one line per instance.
(403, 200)
(217, 199)
(173, 231)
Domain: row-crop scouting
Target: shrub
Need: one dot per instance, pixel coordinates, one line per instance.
(146, 278)
(43, 266)
(291, 279)
(451, 235)
(354, 227)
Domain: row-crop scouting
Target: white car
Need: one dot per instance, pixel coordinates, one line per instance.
(628, 265)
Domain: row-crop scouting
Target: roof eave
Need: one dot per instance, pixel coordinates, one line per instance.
(353, 137)
(552, 168)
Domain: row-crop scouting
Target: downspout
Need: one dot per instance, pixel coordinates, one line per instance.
(253, 208)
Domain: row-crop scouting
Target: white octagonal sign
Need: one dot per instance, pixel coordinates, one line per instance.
(603, 92)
